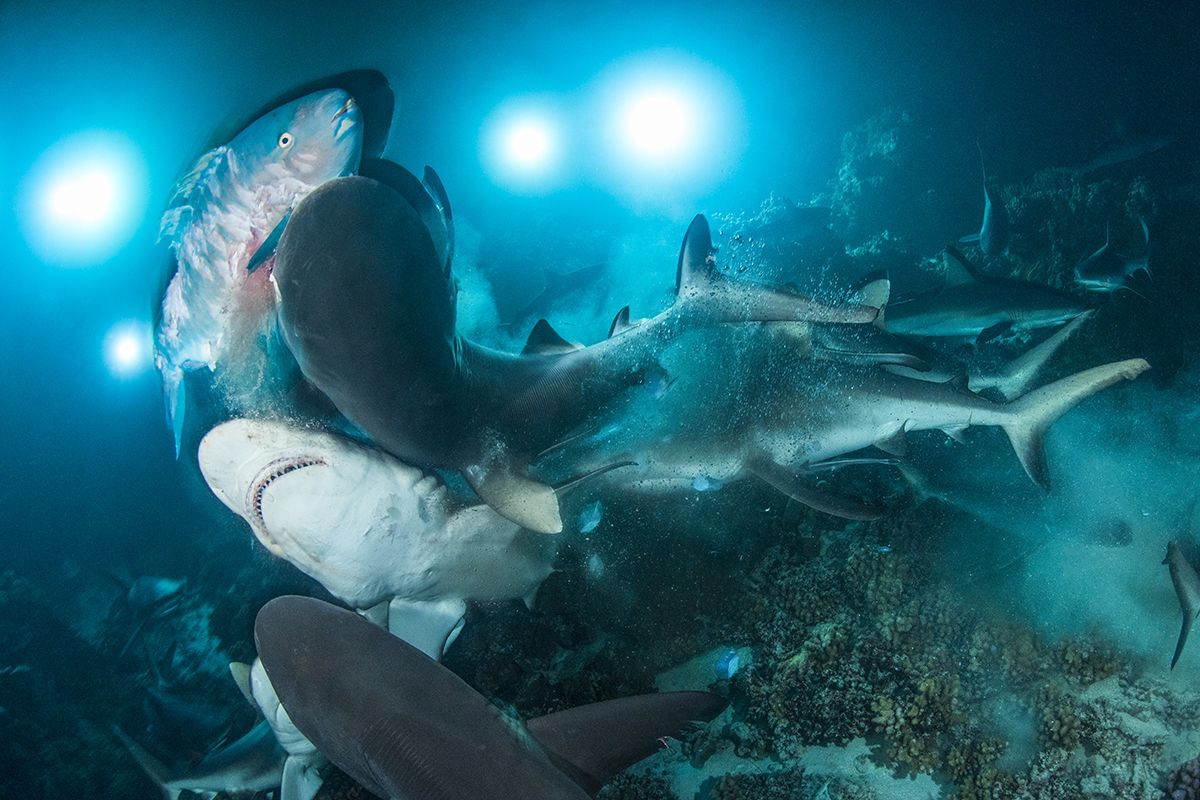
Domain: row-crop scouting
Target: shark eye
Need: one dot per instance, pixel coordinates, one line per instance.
(285, 139)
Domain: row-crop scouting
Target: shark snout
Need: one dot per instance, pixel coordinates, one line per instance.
(224, 455)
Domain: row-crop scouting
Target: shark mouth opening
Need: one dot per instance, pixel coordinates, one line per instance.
(271, 473)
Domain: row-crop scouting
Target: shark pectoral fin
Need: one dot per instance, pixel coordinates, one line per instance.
(301, 778)
(893, 440)
(531, 504)
(431, 626)
(784, 481)
(593, 743)
(970, 239)
(993, 332)
(1018, 375)
(1027, 418)
(376, 614)
(266, 248)
(240, 672)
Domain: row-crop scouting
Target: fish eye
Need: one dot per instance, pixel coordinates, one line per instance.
(285, 139)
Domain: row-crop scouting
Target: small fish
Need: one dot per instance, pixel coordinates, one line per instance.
(223, 220)
(728, 664)
(884, 549)
(589, 519)
(703, 483)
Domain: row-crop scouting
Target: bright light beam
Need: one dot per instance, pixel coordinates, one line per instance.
(84, 199)
(659, 122)
(523, 144)
(127, 349)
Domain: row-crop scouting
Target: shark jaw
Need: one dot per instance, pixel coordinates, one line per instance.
(253, 512)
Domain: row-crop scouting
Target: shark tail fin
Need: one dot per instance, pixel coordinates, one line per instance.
(716, 297)
(1028, 417)
(154, 769)
(1019, 374)
(175, 395)
(592, 743)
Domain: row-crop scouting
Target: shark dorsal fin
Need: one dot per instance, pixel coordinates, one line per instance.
(620, 322)
(696, 263)
(592, 743)
(421, 195)
(544, 340)
(960, 271)
(437, 190)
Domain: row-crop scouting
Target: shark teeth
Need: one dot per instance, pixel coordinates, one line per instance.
(271, 473)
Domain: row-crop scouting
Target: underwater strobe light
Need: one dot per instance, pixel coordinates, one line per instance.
(84, 199)
(128, 349)
(523, 145)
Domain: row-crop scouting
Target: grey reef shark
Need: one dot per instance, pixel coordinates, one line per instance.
(384, 537)
(407, 728)
(780, 416)
(367, 305)
(973, 305)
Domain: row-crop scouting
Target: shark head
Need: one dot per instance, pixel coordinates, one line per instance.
(329, 505)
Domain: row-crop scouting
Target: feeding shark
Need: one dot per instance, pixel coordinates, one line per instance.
(381, 536)
(868, 344)
(1106, 270)
(1187, 588)
(407, 728)
(993, 233)
(779, 415)
(224, 220)
(367, 305)
(970, 303)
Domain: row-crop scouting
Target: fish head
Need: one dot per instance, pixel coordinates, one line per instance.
(336, 509)
(299, 145)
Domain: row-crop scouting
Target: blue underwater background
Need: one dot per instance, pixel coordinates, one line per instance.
(983, 639)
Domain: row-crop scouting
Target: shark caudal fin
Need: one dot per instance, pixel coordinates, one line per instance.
(593, 743)
(1027, 418)
(1019, 374)
(1187, 590)
(705, 292)
(154, 769)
